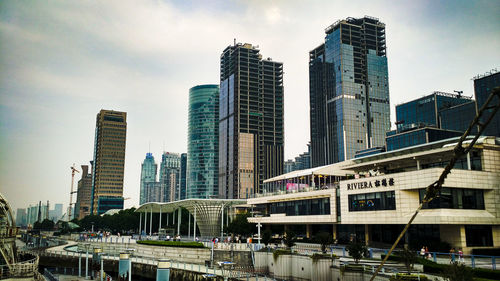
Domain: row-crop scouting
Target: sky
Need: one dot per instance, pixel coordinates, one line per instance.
(63, 61)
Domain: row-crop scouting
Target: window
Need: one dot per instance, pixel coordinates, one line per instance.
(319, 206)
(478, 235)
(456, 198)
(375, 201)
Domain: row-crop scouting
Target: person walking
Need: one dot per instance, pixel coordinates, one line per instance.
(422, 252)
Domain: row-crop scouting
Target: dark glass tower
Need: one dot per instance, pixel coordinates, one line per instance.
(149, 169)
(203, 141)
(183, 184)
(349, 91)
(483, 86)
(250, 121)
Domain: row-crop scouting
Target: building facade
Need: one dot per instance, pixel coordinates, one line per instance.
(301, 162)
(251, 132)
(149, 169)
(203, 142)
(483, 86)
(170, 167)
(83, 194)
(109, 160)
(183, 183)
(349, 90)
(371, 198)
(21, 217)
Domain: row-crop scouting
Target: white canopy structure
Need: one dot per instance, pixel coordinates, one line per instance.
(208, 213)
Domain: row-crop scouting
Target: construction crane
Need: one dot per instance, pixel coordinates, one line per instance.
(73, 171)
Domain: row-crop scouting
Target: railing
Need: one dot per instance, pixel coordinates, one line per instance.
(25, 269)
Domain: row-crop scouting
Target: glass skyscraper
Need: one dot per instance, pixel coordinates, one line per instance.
(183, 183)
(149, 170)
(203, 141)
(349, 90)
(483, 86)
(251, 137)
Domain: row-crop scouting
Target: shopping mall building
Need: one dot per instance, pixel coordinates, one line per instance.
(373, 197)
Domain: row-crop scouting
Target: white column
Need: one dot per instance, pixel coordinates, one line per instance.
(159, 224)
(179, 221)
(194, 225)
(145, 221)
(151, 222)
(140, 223)
(222, 225)
(189, 225)
(168, 216)
(468, 161)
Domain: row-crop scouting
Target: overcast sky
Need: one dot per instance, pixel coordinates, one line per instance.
(63, 61)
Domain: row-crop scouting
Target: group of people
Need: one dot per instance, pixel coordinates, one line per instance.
(424, 253)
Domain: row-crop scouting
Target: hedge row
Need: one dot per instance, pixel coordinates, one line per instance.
(172, 244)
(432, 267)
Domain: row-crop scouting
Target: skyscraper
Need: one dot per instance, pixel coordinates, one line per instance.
(84, 194)
(149, 170)
(483, 86)
(183, 183)
(250, 121)
(170, 176)
(203, 141)
(109, 161)
(349, 90)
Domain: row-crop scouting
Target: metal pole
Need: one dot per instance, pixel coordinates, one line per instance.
(80, 265)
(145, 222)
(87, 264)
(179, 222)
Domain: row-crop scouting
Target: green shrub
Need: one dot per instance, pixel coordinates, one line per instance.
(486, 273)
(357, 250)
(278, 253)
(172, 244)
(408, 277)
(319, 256)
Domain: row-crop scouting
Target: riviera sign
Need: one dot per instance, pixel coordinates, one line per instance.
(370, 184)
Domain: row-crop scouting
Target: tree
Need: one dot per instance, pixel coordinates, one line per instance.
(409, 258)
(241, 226)
(357, 250)
(458, 272)
(290, 239)
(324, 239)
(47, 224)
(266, 237)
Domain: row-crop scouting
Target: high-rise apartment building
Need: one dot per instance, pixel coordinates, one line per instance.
(109, 161)
(170, 176)
(483, 86)
(203, 141)
(183, 182)
(349, 90)
(20, 217)
(250, 121)
(84, 194)
(149, 169)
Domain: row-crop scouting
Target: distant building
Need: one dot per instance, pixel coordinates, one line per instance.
(84, 194)
(251, 137)
(149, 169)
(56, 213)
(21, 217)
(153, 192)
(483, 86)
(170, 176)
(109, 160)
(431, 118)
(349, 90)
(183, 183)
(203, 141)
(301, 162)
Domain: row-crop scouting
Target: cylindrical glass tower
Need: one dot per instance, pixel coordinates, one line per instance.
(203, 141)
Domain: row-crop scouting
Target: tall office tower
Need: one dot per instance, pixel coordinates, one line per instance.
(183, 182)
(349, 90)
(21, 217)
(57, 212)
(170, 176)
(153, 192)
(109, 161)
(483, 85)
(203, 141)
(250, 121)
(149, 170)
(84, 194)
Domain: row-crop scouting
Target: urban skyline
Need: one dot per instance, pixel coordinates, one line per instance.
(73, 126)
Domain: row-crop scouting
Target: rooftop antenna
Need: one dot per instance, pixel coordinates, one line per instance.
(459, 93)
